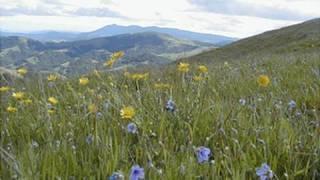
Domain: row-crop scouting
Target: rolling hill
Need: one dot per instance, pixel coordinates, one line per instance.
(84, 55)
(300, 39)
(113, 30)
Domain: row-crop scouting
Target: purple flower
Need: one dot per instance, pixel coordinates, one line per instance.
(89, 139)
(137, 173)
(132, 128)
(116, 176)
(170, 105)
(292, 104)
(264, 172)
(203, 154)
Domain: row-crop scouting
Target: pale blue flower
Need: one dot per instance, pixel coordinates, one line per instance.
(292, 104)
(170, 105)
(242, 102)
(203, 154)
(137, 173)
(132, 128)
(264, 172)
(89, 139)
(116, 176)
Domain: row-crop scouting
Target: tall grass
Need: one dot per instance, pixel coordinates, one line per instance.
(74, 143)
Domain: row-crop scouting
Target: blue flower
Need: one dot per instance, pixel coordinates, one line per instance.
(132, 128)
(116, 176)
(242, 102)
(170, 105)
(264, 172)
(89, 139)
(292, 104)
(203, 154)
(137, 173)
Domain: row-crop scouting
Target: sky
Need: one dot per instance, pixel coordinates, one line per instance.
(235, 18)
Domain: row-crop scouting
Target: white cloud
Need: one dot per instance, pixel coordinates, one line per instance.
(83, 15)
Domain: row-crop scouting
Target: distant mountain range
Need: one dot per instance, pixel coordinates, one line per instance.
(292, 41)
(73, 57)
(112, 30)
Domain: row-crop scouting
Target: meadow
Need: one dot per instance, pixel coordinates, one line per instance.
(233, 120)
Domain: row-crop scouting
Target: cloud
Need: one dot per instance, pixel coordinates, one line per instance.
(97, 12)
(245, 8)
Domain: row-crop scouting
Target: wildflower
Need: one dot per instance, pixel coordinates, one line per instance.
(18, 95)
(292, 104)
(137, 173)
(52, 77)
(116, 176)
(162, 86)
(203, 154)
(4, 88)
(114, 57)
(197, 78)
(51, 111)
(92, 108)
(139, 76)
(264, 172)
(242, 102)
(34, 144)
(202, 69)
(11, 109)
(27, 101)
(132, 128)
(170, 105)
(53, 100)
(263, 80)
(183, 67)
(83, 81)
(127, 112)
(22, 71)
(89, 139)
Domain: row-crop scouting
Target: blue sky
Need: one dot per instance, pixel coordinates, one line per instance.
(237, 18)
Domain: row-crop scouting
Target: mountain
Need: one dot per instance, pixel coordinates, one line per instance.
(112, 30)
(84, 55)
(300, 39)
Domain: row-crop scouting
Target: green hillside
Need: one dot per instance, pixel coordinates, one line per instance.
(289, 41)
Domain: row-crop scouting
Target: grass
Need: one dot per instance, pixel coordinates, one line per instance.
(39, 145)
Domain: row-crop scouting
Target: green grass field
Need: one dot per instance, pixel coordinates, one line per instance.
(83, 135)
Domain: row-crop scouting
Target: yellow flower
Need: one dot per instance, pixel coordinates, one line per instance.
(53, 100)
(162, 86)
(202, 69)
(83, 81)
(139, 76)
(92, 108)
(4, 88)
(27, 101)
(22, 71)
(51, 111)
(197, 78)
(127, 112)
(18, 95)
(114, 57)
(52, 77)
(183, 67)
(263, 80)
(117, 55)
(11, 109)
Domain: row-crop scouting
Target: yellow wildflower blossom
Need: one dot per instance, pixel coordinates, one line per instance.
(127, 112)
(11, 109)
(263, 80)
(52, 77)
(4, 88)
(22, 71)
(18, 95)
(202, 69)
(27, 101)
(183, 67)
(51, 111)
(92, 108)
(83, 81)
(197, 78)
(53, 100)
(139, 76)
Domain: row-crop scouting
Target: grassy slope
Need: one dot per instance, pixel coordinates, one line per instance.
(289, 41)
(208, 114)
